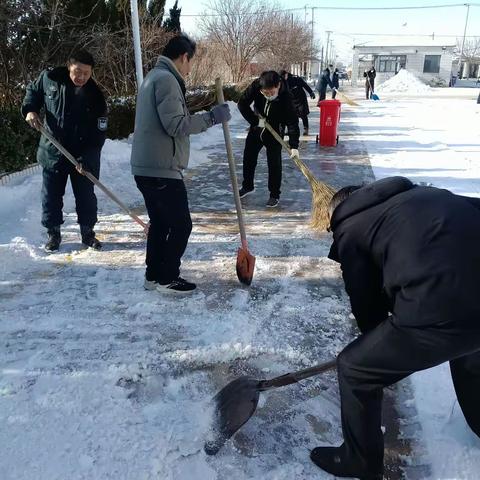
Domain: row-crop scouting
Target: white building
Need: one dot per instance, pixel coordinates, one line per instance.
(427, 59)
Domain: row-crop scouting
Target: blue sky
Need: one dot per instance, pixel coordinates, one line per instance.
(346, 25)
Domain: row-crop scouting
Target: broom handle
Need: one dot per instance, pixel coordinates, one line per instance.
(231, 165)
(294, 377)
(301, 166)
(92, 178)
(276, 136)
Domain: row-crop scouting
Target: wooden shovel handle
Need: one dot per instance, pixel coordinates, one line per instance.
(91, 177)
(294, 377)
(231, 166)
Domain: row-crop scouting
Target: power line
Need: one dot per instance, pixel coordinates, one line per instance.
(402, 35)
(298, 9)
(425, 7)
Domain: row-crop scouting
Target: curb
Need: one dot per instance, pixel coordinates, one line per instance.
(7, 177)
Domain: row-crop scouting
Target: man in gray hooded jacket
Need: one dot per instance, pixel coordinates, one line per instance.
(160, 153)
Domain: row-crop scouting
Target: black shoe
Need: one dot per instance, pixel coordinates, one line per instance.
(331, 459)
(243, 192)
(89, 239)
(178, 285)
(305, 132)
(54, 239)
(272, 202)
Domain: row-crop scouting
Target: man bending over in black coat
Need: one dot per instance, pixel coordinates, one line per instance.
(272, 100)
(410, 260)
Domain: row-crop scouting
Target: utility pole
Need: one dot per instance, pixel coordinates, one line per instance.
(464, 33)
(311, 41)
(136, 42)
(328, 32)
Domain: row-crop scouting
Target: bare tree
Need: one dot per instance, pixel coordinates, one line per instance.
(241, 30)
(471, 49)
(289, 42)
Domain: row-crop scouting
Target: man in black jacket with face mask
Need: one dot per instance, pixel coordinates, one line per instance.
(410, 260)
(272, 100)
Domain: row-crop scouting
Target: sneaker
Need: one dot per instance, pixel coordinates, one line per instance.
(179, 285)
(89, 239)
(54, 239)
(243, 192)
(150, 284)
(272, 202)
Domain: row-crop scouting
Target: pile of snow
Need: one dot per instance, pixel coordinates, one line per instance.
(403, 82)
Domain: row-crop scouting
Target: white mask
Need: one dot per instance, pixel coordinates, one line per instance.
(270, 98)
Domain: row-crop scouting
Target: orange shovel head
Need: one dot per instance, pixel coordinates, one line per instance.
(245, 265)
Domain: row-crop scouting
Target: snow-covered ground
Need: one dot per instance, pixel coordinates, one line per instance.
(102, 380)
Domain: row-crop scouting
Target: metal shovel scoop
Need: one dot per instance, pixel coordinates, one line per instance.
(238, 400)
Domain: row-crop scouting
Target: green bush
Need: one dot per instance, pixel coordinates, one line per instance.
(18, 141)
(121, 117)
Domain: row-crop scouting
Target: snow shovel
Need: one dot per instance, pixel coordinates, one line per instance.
(245, 260)
(237, 401)
(373, 95)
(92, 178)
(345, 98)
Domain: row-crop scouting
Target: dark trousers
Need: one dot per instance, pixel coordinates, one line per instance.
(53, 190)
(388, 354)
(334, 93)
(368, 90)
(254, 143)
(305, 121)
(322, 94)
(170, 226)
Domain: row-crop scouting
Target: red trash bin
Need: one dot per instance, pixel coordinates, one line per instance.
(329, 120)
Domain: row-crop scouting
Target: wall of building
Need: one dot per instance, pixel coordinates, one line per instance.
(415, 58)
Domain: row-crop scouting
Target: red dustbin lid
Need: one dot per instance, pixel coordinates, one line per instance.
(329, 103)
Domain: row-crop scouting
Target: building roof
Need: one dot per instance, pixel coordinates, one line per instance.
(406, 42)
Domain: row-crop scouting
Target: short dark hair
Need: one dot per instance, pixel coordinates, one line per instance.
(178, 46)
(283, 72)
(269, 79)
(340, 196)
(81, 56)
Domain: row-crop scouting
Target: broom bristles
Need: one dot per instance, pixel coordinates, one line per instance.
(322, 193)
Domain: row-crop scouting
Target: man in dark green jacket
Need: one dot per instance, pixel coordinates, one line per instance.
(75, 114)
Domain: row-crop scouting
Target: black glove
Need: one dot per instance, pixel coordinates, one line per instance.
(312, 96)
(220, 113)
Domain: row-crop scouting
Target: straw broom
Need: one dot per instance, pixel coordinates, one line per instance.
(321, 192)
(346, 99)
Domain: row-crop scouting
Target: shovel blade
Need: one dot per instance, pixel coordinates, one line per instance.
(245, 265)
(234, 405)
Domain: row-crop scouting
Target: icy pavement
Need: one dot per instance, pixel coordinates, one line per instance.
(101, 379)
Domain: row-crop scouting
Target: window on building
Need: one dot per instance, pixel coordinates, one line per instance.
(391, 63)
(431, 64)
